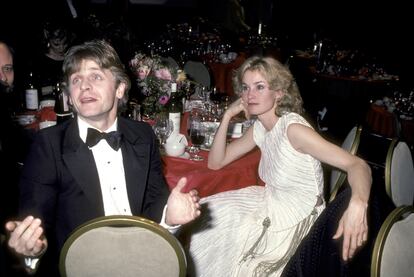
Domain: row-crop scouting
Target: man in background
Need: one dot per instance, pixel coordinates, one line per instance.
(13, 145)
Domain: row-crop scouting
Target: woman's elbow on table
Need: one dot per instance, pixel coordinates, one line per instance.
(214, 165)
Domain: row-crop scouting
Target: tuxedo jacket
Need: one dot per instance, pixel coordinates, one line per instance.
(60, 182)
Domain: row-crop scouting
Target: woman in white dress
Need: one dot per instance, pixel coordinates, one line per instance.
(255, 230)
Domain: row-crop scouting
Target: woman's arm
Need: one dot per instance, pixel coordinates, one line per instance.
(222, 154)
(353, 225)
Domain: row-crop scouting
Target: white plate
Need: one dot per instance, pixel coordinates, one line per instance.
(25, 119)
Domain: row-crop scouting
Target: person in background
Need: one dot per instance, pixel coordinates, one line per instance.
(13, 145)
(71, 177)
(228, 17)
(6, 67)
(11, 102)
(235, 19)
(13, 140)
(6, 86)
(47, 65)
(270, 221)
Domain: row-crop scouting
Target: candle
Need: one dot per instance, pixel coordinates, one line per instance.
(259, 31)
(319, 52)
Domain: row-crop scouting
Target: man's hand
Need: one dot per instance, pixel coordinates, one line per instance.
(182, 207)
(26, 237)
(354, 227)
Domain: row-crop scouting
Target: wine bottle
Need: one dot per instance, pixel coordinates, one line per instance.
(31, 93)
(174, 109)
(62, 108)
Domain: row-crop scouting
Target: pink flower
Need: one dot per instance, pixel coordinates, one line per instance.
(163, 99)
(163, 74)
(142, 72)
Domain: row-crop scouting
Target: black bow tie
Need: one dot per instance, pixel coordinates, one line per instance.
(113, 138)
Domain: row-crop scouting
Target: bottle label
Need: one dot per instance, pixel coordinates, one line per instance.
(32, 99)
(173, 87)
(176, 119)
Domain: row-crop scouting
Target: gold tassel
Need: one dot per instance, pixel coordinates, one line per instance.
(251, 252)
(270, 267)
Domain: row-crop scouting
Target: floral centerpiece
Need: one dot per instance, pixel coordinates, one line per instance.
(154, 78)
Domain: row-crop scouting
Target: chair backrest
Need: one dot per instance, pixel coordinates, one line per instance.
(350, 144)
(399, 174)
(393, 253)
(198, 72)
(171, 62)
(122, 246)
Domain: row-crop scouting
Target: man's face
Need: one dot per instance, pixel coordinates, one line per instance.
(6, 66)
(93, 92)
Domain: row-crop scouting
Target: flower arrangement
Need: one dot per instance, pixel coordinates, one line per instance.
(154, 78)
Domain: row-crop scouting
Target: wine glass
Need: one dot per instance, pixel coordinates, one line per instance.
(197, 136)
(163, 128)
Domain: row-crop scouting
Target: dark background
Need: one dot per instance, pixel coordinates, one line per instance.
(380, 28)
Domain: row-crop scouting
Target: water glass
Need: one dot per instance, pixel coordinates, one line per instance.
(163, 128)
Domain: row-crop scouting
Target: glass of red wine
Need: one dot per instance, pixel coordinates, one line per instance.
(197, 136)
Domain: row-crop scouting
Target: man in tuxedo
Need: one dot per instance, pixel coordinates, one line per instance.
(72, 176)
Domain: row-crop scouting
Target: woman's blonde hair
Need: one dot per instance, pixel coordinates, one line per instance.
(278, 76)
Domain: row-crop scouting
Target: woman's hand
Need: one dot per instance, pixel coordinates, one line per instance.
(353, 227)
(236, 107)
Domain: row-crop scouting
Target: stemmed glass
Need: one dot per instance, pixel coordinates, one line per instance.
(197, 136)
(163, 128)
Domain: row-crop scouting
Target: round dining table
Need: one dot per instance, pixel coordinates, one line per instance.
(389, 124)
(238, 174)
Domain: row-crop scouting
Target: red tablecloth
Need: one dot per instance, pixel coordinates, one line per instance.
(44, 114)
(223, 72)
(239, 174)
(383, 122)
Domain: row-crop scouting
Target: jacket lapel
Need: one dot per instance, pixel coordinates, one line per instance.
(136, 156)
(81, 164)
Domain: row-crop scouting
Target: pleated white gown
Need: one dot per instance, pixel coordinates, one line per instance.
(231, 239)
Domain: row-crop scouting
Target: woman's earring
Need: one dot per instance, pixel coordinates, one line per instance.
(48, 45)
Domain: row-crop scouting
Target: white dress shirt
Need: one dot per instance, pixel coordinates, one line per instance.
(111, 172)
(110, 166)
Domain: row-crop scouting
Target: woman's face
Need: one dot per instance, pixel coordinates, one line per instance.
(256, 94)
(59, 45)
(58, 42)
